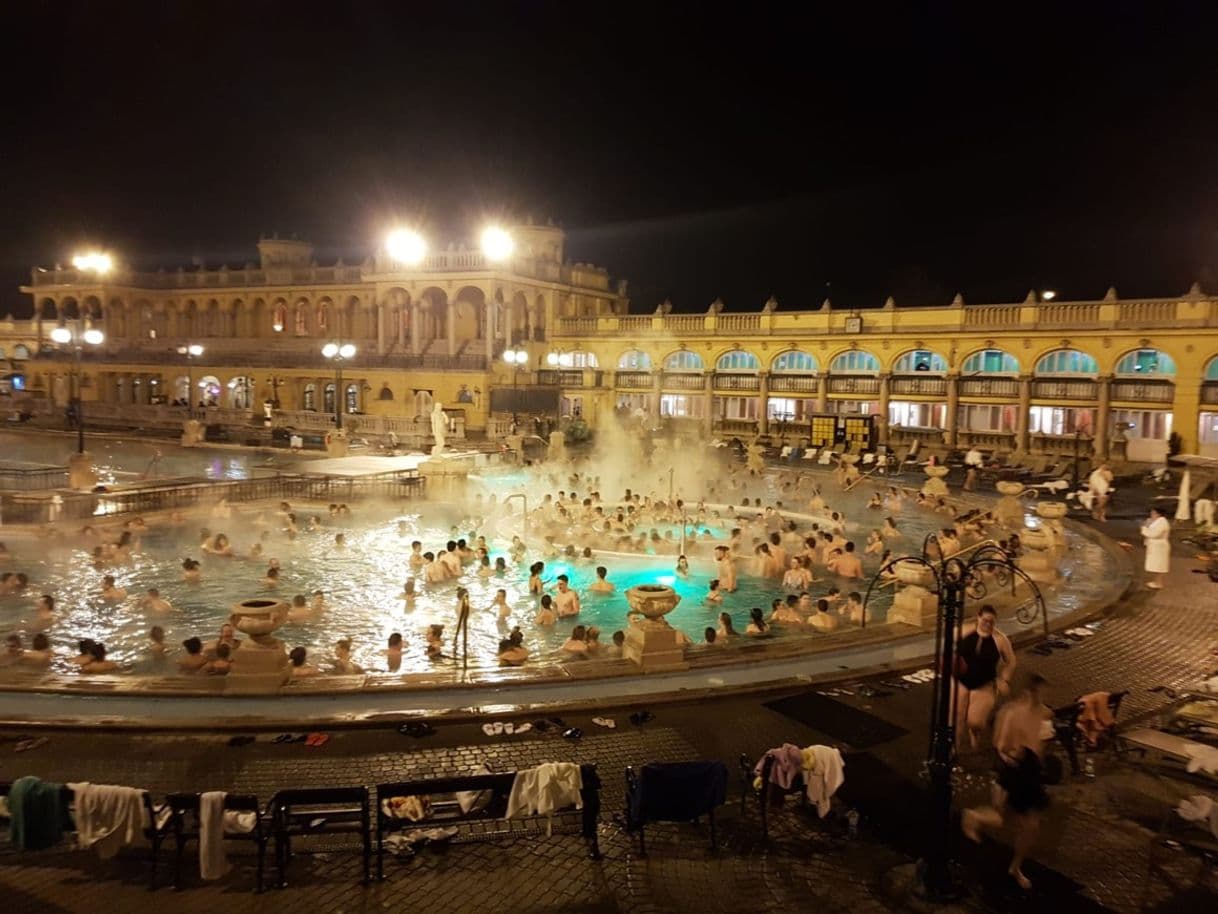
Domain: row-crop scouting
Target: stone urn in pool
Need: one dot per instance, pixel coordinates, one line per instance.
(1009, 509)
(935, 487)
(650, 641)
(261, 663)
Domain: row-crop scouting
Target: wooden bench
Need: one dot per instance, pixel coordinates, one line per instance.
(319, 811)
(768, 793)
(184, 826)
(445, 810)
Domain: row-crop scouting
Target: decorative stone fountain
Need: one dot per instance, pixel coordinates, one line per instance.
(261, 663)
(1009, 509)
(1043, 546)
(650, 641)
(935, 487)
(913, 603)
(192, 433)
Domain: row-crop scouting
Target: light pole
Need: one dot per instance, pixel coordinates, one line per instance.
(951, 581)
(191, 351)
(517, 358)
(78, 338)
(338, 353)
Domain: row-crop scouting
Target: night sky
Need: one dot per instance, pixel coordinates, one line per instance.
(757, 151)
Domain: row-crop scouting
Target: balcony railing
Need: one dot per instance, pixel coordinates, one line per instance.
(634, 380)
(989, 387)
(919, 386)
(675, 380)
(569, 377)
(793, 384)
(854, 384)
(1064, 390)
(736, 382)
(1144, 391)
(292, 358)
(992, 316)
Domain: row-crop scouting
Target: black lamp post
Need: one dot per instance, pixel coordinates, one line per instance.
(191, 351)
(952, 581)
(78, 337)
(338, 353)
(517, 358)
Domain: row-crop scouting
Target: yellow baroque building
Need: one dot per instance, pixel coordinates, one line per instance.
(1034, 377)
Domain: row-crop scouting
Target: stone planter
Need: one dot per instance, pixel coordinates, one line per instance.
(935, 487)
(650, 641)
(1009, 510)
(261, 663)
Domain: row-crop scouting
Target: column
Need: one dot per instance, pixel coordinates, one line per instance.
(763, 404)
(885, 396)
(822, 392)
(657, 377)
(953, 408)
(450, 326)
(708, 387)
(1186, 415)
(415, 343)
(1021, 417)
(488, 330)
(1103, 418)
(380, 328)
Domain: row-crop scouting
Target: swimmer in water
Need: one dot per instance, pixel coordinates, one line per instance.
(110, 591)
(152, 601)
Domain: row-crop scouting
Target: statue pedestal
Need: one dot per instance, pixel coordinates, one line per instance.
(192, 433)
(336, 443)
(914, 605)
(1040, 555)
(260, 664)
(1009, 510)
(653, 645)
(81, 474)
(557, 449)
(650, 641)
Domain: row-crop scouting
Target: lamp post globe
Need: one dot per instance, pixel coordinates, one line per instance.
(497, 244)
(406, 247)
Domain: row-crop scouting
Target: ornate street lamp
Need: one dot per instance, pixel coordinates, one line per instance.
(517, 358)
(77, 338)
(406, 247)
(497, 244)
(338, 353)
(191, 351)
(951, 581)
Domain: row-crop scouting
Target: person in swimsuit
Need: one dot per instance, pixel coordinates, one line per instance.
(980, 651)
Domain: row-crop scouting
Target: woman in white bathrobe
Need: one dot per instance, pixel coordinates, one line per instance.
(1155, 533)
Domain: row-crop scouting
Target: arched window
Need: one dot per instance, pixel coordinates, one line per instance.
(240, 392)
(990, 361)
(919, 361)
(737, 360)
(328, 398)
(323, 319)
(422, 403)
(683, 360)
(855, 361)
(279, 318)
(309, 401)
(302, 320)
(1143, 363)
(793, 361)
(352, 398)
(634, 360)
(21, 351)
(1211, 370)
(1066, 362)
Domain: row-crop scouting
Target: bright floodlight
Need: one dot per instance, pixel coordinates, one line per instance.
(406, 246)
(1048, 295)
(61, 335)
(552, 359)
(346, 350)
(93, 261)
(497, 244)
(194, 349)
(515, 356)
(94, 337)
(330, 350)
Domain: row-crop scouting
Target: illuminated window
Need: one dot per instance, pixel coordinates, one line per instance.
(1067, 362)
(794, 362)
(856, 361)
(1143, 363)
(634, 360)
(737, 360)
(920, 360)
(991, 361)
(683, 360)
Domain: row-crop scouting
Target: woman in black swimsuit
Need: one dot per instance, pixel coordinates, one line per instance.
(981, 650)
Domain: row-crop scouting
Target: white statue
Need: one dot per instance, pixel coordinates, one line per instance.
(439, 427)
